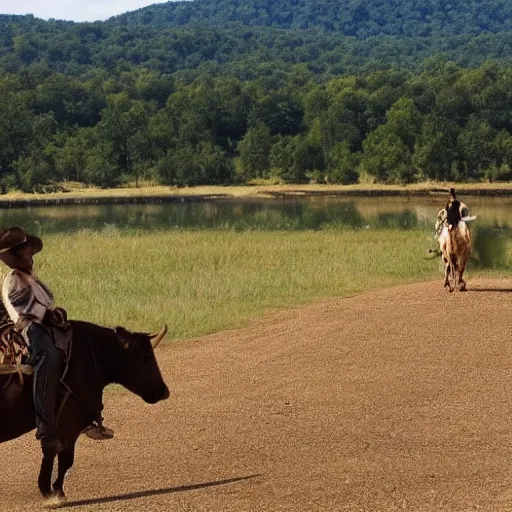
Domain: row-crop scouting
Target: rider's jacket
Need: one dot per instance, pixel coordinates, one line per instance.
(25, 298)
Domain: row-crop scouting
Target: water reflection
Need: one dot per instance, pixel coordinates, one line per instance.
(240, 215)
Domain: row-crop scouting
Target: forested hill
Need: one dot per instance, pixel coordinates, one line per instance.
(248, 38)
(228, 91)
(359, 18)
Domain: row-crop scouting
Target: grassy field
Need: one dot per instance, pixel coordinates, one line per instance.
(206, 281)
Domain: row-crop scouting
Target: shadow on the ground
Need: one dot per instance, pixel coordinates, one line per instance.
(152, 492)
(494, 290)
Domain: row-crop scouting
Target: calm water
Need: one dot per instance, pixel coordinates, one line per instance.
(289, 214)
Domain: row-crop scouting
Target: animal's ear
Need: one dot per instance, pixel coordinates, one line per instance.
(124, 337)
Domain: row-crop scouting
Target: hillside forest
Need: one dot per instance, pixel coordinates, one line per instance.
(220, 92)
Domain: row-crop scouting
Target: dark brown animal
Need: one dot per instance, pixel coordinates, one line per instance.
(98, 357)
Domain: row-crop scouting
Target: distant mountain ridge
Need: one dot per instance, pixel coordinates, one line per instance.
(248, 38)
(359, 18)
(356, 18)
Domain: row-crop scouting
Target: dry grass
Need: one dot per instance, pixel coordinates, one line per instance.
(261, 190)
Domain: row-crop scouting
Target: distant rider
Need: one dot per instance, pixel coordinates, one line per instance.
(451, 214)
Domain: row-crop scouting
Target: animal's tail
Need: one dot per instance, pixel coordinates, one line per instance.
(434, 254)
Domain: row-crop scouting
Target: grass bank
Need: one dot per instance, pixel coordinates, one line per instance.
(203, 281)
(77, 194)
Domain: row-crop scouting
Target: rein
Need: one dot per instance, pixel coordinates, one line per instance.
(70, 393)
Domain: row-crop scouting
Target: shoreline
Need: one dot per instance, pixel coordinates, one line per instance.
(161, 194)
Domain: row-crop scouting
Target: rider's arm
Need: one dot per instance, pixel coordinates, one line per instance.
(441, 217)
(17, 296)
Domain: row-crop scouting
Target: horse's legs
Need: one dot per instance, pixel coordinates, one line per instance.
(462, 283)
(447, 270)
(66, 458)
(455, 271)
(45, 474)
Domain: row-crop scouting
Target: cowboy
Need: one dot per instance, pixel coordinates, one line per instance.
(27, 300)
(451, 214)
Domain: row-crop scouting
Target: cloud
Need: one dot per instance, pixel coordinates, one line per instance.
(75, 10)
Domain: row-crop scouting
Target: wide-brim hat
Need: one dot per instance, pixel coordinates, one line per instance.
(13, 237)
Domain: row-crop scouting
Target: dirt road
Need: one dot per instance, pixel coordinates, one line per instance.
(399, 399)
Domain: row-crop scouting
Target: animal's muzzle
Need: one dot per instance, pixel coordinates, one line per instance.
(161, 393)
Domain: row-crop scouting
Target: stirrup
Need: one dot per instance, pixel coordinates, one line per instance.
(98, 432)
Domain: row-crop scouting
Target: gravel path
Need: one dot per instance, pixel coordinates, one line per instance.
(399, 399)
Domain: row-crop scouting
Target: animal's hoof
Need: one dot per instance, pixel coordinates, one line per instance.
(59, 493)
(54, 501)
(462, 287)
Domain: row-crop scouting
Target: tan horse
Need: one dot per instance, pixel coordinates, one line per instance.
(455, 246)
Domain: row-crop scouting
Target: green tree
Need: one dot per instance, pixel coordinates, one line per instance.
(16, 130)
(386, 157)
(101, 169)
(404, 119)
(124, 123)
(477, 148)
(342, 167)
(503, 152)
(436, 150)
(188, 166)
(71, 158)
(35, 171)
(288, 159)
(63, 96)
(280, 111)
(254, 151)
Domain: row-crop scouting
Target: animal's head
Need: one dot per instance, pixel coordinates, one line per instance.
(137, 368)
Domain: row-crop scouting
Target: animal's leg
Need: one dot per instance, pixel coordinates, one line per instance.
(45, 474)
(462, 283)
(452, 277)
(66, 458)
(455, 272)
(447, 270)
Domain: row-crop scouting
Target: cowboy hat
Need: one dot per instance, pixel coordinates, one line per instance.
(13, 237)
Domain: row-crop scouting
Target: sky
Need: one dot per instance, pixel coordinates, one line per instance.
(73, 10)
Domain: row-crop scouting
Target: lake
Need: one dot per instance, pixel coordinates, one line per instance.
(310, 213)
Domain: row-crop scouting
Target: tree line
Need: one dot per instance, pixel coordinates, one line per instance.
(217, 41)
(443, 123)
(361, 19)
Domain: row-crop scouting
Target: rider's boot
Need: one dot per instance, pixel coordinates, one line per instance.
(98, 431)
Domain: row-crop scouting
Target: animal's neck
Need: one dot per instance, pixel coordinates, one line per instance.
(106, 359)
(101, 349)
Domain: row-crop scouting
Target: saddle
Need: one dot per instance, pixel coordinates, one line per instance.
(14, 351)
